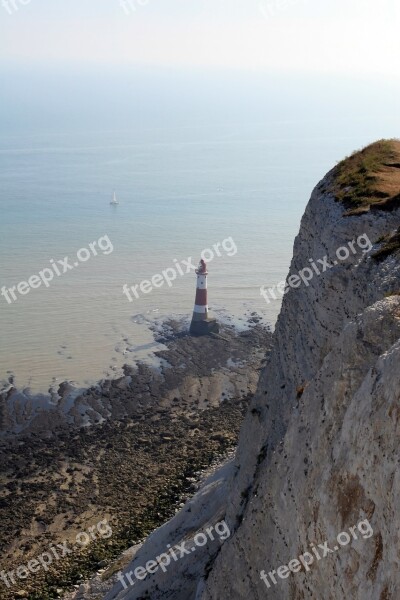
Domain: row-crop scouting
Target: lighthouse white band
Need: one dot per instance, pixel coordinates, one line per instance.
(201, 282)
(200, 309)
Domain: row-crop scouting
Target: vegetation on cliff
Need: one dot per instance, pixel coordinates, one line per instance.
(369, 179)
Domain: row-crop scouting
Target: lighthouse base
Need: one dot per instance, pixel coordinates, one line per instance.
(204, 327)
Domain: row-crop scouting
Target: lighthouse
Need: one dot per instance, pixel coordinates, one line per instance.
(201, 323)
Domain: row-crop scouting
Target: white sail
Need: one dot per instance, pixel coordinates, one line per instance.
(114, 200)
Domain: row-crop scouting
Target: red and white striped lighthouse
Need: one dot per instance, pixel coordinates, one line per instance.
(201, 323)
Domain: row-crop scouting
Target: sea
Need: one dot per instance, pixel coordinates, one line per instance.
(235, 187)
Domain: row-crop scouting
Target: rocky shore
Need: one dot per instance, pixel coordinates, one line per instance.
(129, 450)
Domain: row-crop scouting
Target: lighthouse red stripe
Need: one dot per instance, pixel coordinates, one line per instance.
(201, 297)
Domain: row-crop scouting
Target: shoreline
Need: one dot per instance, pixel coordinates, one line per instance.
(20, 405)
(98, 355)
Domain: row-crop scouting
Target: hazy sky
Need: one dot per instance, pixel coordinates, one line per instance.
(341, 36)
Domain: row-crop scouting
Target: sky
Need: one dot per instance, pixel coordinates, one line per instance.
(319, 36)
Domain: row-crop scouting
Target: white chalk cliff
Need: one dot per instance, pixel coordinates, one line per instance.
(319, 447)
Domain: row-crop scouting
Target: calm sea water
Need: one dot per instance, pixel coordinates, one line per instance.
(181, 190)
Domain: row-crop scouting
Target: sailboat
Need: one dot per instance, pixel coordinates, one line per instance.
(114, 201)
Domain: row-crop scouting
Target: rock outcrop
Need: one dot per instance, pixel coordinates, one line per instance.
(147, 439)
(318, 451)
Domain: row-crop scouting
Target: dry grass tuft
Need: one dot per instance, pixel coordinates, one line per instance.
(369, 179)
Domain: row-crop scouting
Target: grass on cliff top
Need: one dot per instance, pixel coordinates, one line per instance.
(369, 176)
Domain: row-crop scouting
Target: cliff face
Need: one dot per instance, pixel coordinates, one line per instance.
(312, 463)
(318, 450)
